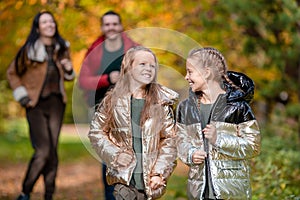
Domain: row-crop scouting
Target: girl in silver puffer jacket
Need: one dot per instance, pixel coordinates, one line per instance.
(217, 131)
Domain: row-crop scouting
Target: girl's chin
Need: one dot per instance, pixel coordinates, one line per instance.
(193, 89)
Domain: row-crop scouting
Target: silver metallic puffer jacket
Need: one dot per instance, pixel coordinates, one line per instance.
(238, 140)
(159, 149)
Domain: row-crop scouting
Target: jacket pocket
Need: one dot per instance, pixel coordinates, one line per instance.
(231, 179)
(231, 169)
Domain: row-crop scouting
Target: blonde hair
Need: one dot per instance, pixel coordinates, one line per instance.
(212, 58)
(122, 88)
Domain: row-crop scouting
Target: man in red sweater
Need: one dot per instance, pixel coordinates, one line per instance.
(101, 68)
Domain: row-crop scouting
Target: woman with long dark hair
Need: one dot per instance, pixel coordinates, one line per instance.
(37, 76)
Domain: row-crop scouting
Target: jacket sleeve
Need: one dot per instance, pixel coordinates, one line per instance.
(188, 139)
(69, 75)
(242, 140)
(104, 147)
(88, 77)
(19, 90)
(166, 160)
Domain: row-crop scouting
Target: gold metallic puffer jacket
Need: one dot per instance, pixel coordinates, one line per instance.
(159, 148)
(238, 140)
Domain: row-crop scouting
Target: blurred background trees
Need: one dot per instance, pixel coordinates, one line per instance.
(260, 38)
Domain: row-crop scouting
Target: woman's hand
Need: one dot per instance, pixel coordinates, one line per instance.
(124, 159)
(156, 182)
(210, 133)
(198, 157)
(67, 64)
(26, 102)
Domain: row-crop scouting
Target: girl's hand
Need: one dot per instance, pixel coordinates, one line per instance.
(66, 63)
(124, 159)
(210, 133)
(198, 157)
(156, 182)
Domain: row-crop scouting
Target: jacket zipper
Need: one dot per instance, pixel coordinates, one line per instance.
(205, 143)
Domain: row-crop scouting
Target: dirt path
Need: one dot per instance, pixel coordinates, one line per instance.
(79, 180)
(74, 181)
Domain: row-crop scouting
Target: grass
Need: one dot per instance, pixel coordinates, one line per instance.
(275, 173)
(15, 146)
(176, 188)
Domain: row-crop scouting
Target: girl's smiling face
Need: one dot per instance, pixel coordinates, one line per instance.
(195, 75)
(143, 68)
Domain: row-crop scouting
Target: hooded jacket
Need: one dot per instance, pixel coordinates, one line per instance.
(30, 83)
(238, 140)
(159, 148)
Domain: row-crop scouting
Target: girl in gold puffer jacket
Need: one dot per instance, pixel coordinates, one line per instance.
(133, 129)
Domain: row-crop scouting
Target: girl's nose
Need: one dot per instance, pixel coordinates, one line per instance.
(186, 77)
(148, 67)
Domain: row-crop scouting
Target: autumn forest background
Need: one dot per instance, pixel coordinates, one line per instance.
(260, 38)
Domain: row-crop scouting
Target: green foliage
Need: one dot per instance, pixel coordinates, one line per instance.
(6, 97)
(68, 117)
(293, 110)
(271, 29)
(276, 171)
(257, 37)
(14, 142)
(176, 188)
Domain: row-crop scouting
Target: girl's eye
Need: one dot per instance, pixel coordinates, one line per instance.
(145, 64)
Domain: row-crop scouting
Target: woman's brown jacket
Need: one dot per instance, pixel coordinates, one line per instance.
(31, 82)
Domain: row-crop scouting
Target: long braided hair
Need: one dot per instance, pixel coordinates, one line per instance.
(212, 58)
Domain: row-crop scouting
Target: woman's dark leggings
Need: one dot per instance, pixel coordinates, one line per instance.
(45, 121)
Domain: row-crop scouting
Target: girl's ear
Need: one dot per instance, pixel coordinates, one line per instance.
(207, 73)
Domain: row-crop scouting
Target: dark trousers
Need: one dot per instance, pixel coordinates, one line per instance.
(45, 121)
(108, 189)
